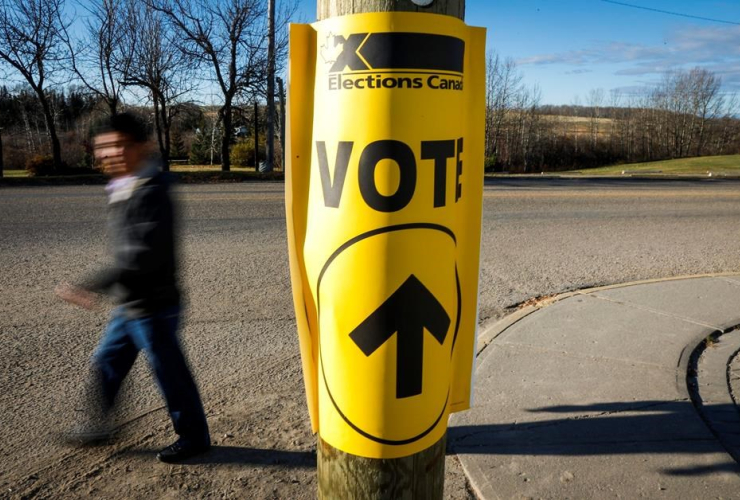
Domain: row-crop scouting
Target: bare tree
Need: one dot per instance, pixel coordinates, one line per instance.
(270, 142)
(685, 113)
(279, 16)
(492, 70)
(6, 111)
(152, 61)
(97, 59)
(595, 102)
(707, 102)
(503, 83)
(31, 42)
(229, 38)
(281, 97)
(575, 105)
(528, 125)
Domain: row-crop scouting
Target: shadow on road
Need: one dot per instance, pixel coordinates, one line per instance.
(236, 455)
(255, 456)
(640, 427)
(703, 470)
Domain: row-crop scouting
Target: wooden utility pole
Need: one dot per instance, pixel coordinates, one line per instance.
(333, 8)
(270, 139)
(342, 476)
(281, 96)
(2, 165)
(256, 136)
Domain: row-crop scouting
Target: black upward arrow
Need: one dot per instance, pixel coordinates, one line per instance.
(410, 310)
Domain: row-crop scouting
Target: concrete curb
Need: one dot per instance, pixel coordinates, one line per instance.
(712, 396)
(490, 332)
(685, 361)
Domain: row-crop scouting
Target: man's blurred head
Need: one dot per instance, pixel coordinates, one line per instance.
(121, 144)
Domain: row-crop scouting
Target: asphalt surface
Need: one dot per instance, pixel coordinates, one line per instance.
(540, 237)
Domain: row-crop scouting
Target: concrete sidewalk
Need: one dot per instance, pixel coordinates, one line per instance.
(586, 396)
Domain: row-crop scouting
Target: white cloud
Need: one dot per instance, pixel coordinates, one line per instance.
(716, 49)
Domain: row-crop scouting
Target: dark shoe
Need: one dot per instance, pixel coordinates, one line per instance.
(181, 450)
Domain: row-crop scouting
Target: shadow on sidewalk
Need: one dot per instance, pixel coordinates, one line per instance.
(640, 427)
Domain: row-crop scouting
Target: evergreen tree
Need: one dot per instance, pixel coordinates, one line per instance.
(206, 144)
(8, 107)
(177, 146)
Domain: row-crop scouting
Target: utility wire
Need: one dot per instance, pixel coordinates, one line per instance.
(671, 13)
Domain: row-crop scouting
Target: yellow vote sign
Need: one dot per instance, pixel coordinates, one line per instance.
(384, 188)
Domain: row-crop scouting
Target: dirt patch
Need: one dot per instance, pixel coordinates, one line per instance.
(263, 448)
(542, 301)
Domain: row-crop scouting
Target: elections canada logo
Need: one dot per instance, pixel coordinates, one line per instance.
(397, 60)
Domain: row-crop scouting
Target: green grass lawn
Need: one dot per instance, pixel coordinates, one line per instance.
(206, 168)
(174, 168)
(717, 165)
(15, 173)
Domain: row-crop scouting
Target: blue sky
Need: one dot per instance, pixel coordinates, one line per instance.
(569, 47)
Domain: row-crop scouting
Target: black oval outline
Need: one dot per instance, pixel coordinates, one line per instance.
(337, 252)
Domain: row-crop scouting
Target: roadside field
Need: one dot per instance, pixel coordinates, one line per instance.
(702, 166)
(581, 126)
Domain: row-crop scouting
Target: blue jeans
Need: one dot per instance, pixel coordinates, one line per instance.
(156, 335)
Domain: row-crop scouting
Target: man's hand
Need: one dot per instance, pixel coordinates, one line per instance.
(77, 296)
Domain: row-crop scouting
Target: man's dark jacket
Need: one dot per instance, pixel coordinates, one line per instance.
(143, 277)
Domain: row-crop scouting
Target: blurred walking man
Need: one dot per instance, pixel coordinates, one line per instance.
(142, 280)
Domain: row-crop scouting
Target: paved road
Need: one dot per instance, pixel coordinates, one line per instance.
(540, 237)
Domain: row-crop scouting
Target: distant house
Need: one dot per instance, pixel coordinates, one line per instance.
(242, 131)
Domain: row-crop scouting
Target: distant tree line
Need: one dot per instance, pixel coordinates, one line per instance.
(154, 57)
(686, 114)
(26, 131)
(195, 136)
(159, 58)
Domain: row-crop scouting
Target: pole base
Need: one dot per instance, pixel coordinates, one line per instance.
(342, 476)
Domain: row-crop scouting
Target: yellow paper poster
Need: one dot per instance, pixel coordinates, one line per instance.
(383, 196)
